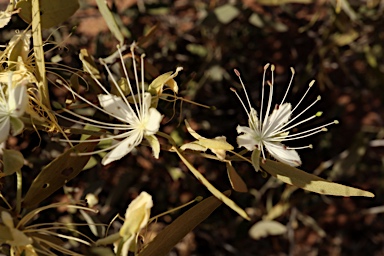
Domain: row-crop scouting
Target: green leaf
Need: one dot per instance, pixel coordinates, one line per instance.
(52, 12)
(111, 22)
(174, 232)
(57, 173)
(13, 161)
(310, 182)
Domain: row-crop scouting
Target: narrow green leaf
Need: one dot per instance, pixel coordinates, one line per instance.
(211, 188)
(174, 232)
(57, 173)
(310, 182)
(111, 22)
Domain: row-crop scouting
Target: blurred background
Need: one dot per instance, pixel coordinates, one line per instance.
(338, 43)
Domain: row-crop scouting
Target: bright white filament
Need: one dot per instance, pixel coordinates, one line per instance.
(273, 126)
(138, 119)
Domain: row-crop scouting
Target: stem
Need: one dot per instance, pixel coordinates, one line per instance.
(19, 190)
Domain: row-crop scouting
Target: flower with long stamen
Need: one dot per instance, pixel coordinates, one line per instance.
(138, 119)
(13, 103)
(272, 127)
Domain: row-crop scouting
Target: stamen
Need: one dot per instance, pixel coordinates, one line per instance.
(289, 86)
(245, 91)
(129, 82)
(302, 112)
(241, 101)
(95, 122)
(142, 83)
(136, 77)
(302, 98)
(87, 101)
(302, 147)
(114, 82)
(262, 97)
(294, 137)
(270, 98)
(297, 124)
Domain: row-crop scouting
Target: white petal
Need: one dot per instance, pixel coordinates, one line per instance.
(282, 154)
(146, 101)
(18, 100)
(153, 124)
(253, 120)
(5, 126)
(248, 139)
(17, 126)
(155, 145)
(116, 107)
(124, 148)
(278, 117)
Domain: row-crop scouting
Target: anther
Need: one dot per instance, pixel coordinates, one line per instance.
(311, 83)
(237, 72)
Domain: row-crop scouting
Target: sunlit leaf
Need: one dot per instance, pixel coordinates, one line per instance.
(52, 12)
(310, 182)
(174, 232)
(211, 188)
(265, 228)
(5, 17)
(57, 173)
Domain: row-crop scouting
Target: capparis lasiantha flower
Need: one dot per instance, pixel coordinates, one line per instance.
(271, 127)
(138, 119)
(13, 103)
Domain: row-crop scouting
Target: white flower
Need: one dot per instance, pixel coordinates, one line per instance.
(136, 218)
(139, 119)
(269, 130)
(13, 103)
